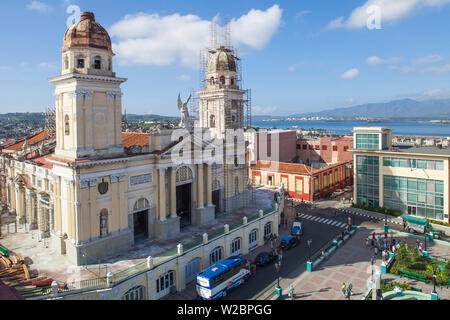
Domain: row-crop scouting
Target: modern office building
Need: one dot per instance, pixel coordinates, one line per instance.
(411, 179)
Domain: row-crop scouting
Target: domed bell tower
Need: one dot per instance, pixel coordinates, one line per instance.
(221, 100)
(88, 98)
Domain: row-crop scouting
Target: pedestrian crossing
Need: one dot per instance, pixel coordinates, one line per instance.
(331, 222)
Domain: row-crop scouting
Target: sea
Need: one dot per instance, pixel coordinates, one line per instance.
(407, 128)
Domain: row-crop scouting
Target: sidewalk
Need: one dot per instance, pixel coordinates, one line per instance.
(351, 264)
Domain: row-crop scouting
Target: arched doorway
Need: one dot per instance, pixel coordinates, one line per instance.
(184, 179)
(140, 219)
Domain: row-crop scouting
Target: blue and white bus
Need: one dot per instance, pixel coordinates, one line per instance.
(216, 281)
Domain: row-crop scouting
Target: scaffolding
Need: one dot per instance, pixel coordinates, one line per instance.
(245, 103)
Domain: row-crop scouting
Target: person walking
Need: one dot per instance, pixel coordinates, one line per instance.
(349, 291)
(291, 292)
(343, 289)
(254, 269)
(373, 235)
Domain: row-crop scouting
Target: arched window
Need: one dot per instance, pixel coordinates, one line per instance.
(80, 63)
(164, 283)
(268, 229)
(232, 81)
(236, 246)
(109, 64)
(103, 223)
(211, 81)
(215, 256)
(141, 204)
(184, 174)
(222, 80)
(135, 293)
(67, 125)
(212, 121)
(233, 118)
(253, 238)
(97, 62)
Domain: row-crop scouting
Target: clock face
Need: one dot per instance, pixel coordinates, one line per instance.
(103, 187)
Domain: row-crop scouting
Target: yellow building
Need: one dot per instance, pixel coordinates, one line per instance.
(102, 190)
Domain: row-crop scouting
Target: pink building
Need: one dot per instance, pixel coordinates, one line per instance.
(275, 145)
(327, 150)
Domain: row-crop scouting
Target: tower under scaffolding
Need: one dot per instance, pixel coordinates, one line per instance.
(226, 171)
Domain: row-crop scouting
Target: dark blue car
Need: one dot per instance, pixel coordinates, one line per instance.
(288, 242)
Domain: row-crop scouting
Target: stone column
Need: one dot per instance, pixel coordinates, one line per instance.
(173, 193)
(201, 202)
(208, 185)
(20, 201)
(162, 194)
(41, 218)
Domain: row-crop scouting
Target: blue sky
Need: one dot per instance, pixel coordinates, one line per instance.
(297, 56)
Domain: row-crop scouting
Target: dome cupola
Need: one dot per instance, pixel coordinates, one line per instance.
(86, 33)
(221, 59)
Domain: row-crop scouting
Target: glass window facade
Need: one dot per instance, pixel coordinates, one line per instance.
(413, 163)
(420, 197)
(367, 141)
(367, 181)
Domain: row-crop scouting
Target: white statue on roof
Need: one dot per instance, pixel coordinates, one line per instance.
(184, 123)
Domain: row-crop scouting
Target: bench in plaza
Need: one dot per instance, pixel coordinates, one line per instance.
(412, 275)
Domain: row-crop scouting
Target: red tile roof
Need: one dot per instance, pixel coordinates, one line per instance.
(42, 162)
(130, 139)
(7, 143)
(33, 139)
(283, 167)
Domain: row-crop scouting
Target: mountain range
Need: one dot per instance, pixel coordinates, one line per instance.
(405, 108)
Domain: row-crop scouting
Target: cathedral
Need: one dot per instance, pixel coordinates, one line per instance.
(91, 189)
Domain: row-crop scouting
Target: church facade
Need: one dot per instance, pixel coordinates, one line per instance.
(99, 190)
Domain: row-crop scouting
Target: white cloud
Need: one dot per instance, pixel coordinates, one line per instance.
(437, 70)
(184, 77)
(295, 66)
(350, 74)
(257, 110)
(38, 6)
(440, 93)
(374, 60)
(428, 59)
(301, 14)
(151, 39)
(256, 28)
(403, 69)
(390, 10)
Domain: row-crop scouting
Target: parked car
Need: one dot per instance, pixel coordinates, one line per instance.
(288, 242)
(297, 229)
(348, 188)
(336, 193)
(263, 259)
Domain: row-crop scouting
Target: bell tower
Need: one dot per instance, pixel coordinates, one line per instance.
(221, 100)
(88, 98)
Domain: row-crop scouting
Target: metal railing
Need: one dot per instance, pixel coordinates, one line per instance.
(101, 282)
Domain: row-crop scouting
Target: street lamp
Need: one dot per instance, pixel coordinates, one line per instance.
(372, 261)
(434, 279)
(278, 267)
(309, 242)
